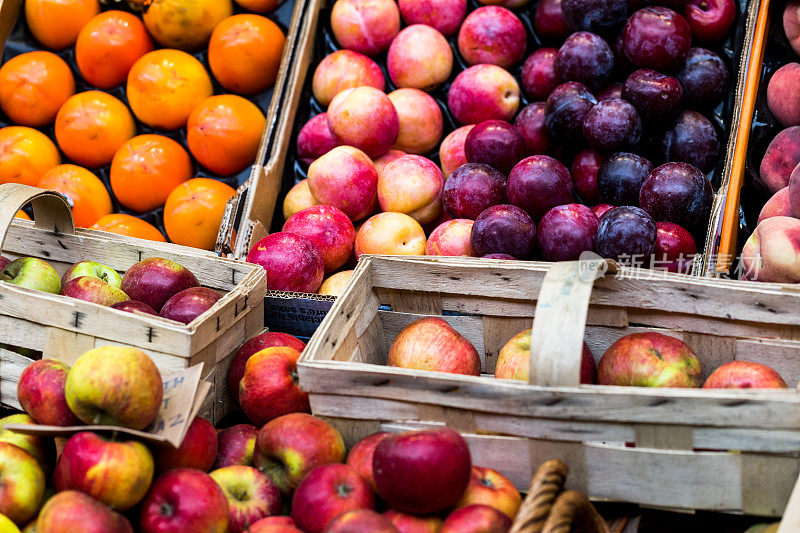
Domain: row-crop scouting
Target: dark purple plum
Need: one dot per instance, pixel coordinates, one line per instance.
(653, 94)
(626, 234)
(586, 58)
(612, 125)
(679, 193)
(566, 231)
(539, 183)
(620, 178)
(612, 91)
(675, 248)
(539, 73)
(622, 65)
(549, 21)
(704, 77)
(471, 189)
(504, 229)
(584, 175)
(599, 16)
(499, 256)
(530, 124)
(657, 37)
(691, 139)
(495, 143)
(566, 110)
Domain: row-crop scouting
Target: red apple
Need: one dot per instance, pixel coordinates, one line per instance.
(93, 290)
(251, 495)
(432, 344)
(268, 339)
(184, 500)
(514, 360)
(360, 456)
(361, 521)
(422, 472)
(710, 20)
(71, 511)
(744, 375)
(274, 524)
(236, 446)
(189, 304)
(155, 280)
(327, 492)
(293, 263)
(270, 388)
(23, 483)
(489, 487)
(291, 446)
(33, 444)
(198, 449)
(407, 523)
(476, 519)
(92, 269)
(649, 360)
(132, 306)
(41, 393)
(115, 472)
(327, 227)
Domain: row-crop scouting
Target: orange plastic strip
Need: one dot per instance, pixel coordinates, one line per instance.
(730, 220)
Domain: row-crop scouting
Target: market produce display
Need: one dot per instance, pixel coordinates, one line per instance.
(507, 131)
(122, 107)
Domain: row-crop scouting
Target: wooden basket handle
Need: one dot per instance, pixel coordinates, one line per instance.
(547, 484)
(560, 321)
(51, 211)
(574, 512)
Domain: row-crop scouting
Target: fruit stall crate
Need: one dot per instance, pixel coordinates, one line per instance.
(722, 450)
(63, 328)
(256, 210)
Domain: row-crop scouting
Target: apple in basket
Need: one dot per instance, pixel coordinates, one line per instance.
(95, 290)
(514, 360)
(75, 511)
(236, 446)
(41, 393)
(649, 360)
(327, 492)
(198, 449)
(251, 495)
(744, 375)
(432, 344)
(361, 520)
(92, 269)
(155, 280)
(32, 273)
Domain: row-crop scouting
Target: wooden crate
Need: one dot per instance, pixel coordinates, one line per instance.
(722, 450)
(64, 328)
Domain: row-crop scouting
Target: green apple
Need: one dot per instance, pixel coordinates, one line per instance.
(92, 269)
(32, 273)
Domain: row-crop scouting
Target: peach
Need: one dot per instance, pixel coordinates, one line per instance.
(419, 57)
(345, 69)
(334, 285)
(421, 121)
(778, 206)
(492, 34)
(387, 158)
(315, 139)
(451, 152)
(366, 26)
(772, 253)
(783, 154)
(327, 227)
(364, 118)
(483, 92)
(391, 234)
(298, 198)
(443, 15)
(791, 24)
(782, 94)
(345, 178)
(412, 185)
(451, 238)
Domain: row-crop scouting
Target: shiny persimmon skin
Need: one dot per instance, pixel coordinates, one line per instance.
(33, 86)
(87, 194)
(91, 126)
(109, 45)
(259, 6)
(25, 155)
(164, 86)
(224, 133)
(245, 53)
(185, 24)
(194, 210)
(128, 225)
(57, 23)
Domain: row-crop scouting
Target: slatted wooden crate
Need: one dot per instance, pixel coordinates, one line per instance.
(64, 328)
(723, 450)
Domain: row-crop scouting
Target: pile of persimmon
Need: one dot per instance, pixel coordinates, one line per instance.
(146, 52)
